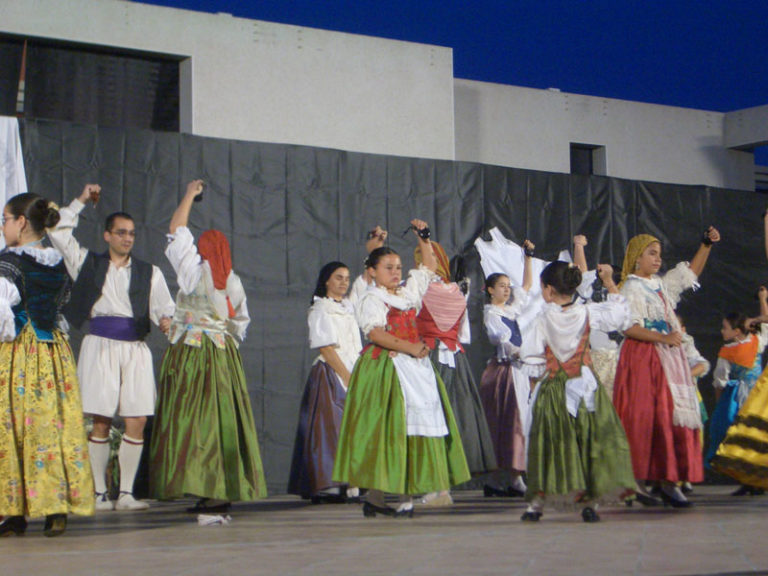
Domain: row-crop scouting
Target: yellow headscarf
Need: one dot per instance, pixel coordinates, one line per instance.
(635, 249)
(443, 264)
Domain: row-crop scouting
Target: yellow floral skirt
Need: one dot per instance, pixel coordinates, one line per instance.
(44, 466)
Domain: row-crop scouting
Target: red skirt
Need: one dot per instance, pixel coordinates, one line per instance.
(660, 450)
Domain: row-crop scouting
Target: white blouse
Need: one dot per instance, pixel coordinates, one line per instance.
(645, 302)
(562, 328)
(374, 305)
(333, 323)
(498, 332)
(191, 271)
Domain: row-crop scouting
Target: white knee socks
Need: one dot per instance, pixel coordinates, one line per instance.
(129, 457)
(98, 451)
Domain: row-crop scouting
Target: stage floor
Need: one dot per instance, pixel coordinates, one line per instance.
(721, 535)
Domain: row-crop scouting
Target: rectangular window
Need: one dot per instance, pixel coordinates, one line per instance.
(91, 84)
(588, 159)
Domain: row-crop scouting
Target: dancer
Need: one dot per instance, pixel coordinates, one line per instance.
(120, 295)
(398, 434)
(505, 384)
(578, 454)
(204, 440)
(743, 454)
(738, 368)
(333, 331)
(443, 324)
(44, 468)
(654, 392)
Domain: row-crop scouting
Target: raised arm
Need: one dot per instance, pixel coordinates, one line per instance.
(702, 254)
(62, 236)
(528, 248)
(427, 253)
(181, 215)
(579, 257)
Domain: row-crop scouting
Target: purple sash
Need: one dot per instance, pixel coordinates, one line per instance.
(114, 328)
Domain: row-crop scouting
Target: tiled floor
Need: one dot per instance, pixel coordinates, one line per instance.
(722, 535)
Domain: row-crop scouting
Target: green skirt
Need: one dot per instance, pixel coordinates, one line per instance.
(374, 450)
(573, 460)
(204, 440)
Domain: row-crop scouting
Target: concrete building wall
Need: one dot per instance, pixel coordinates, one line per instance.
(529, 128)
(260, 81)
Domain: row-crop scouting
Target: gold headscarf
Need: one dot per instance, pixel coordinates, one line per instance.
(635, 249)
(443, 264)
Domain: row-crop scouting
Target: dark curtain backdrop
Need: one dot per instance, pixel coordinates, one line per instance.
(289, 209)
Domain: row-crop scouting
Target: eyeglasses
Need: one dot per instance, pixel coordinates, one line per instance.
(123, 233)
(4, 219)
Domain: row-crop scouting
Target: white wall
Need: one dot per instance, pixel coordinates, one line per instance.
(528, 128)
(268, 82)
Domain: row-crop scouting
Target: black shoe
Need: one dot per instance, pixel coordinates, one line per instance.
(514, 492)
(13, 525)
(674, 502)
(647, 499)
(329, 499)
(404, 513)
(530, 516)
(493, 492)
(745, 490)
(55, 524)
(206, 505)
(589, 515)
(370, 510)
(686, 488)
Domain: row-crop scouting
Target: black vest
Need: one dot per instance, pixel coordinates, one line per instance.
(90, 281)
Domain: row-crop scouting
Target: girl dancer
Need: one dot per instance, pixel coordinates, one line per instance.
(204, 440)
(44, 466)
(334, 333)
(444, 326)
(398, 434)
(505, 383)
(577, 450)
(654, 392)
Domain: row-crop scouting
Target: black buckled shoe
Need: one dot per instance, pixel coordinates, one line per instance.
(370, 510)
(55, 524)
(13, 525)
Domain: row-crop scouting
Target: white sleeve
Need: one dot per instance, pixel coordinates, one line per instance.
(612, 314)
(633, 292)
(677, 281)
(322, 332)
(417, 284)
(359, 286)
(720, 375)
(465, 331)
(694, 356)
(9, 296)
(238, 324)
(762, 338)
(64, 241)
(371, 313)
(183, 256)
(160, 302)
(585, 288)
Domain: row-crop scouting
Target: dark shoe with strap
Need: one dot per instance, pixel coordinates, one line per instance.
(589, 515)
(647, 499)
(370, 510)
(55, 524)
(13, 525)
(674, 502)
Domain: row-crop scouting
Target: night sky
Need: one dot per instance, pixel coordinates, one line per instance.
(701, 54)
